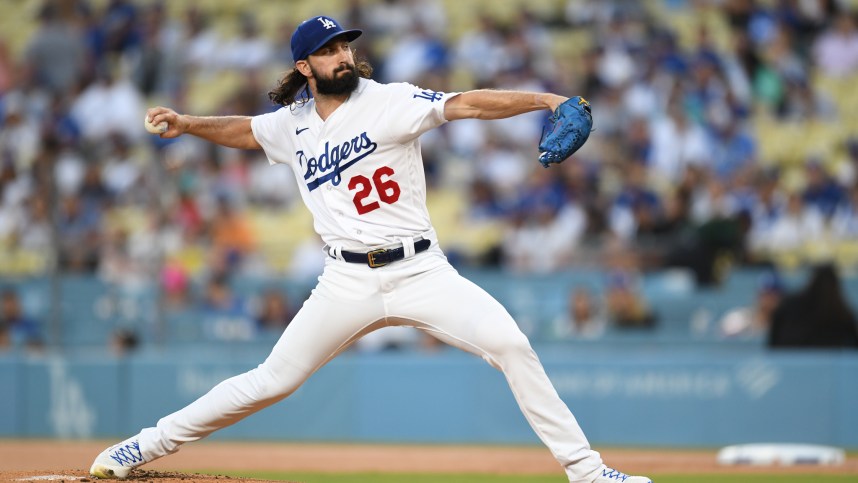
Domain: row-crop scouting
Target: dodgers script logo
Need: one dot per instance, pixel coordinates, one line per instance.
(334, 161)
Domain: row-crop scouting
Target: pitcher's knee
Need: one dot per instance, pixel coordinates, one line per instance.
(509, 344)
(269, 385)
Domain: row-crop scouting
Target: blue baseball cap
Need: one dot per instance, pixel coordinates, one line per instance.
(316, 32)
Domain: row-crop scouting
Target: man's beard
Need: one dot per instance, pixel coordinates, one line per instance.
(337, 85)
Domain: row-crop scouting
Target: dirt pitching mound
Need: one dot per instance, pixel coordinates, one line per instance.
(72, 476)
(53, 458)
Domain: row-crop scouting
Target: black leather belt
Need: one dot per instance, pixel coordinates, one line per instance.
(382, 257)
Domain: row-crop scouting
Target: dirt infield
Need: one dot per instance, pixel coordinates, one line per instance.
(29, 459)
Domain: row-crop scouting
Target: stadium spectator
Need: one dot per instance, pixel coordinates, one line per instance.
(156, 68)
(484, 204)
(17, 330)
(677, 142)
(416, 53)
(625, 305)
(802, 103)
(56, 55)
(836, 49)
(822, 192)
(584, 318)
(175, 286)
(503, 166)
(733, 149)
(712, 199)
(626, 308)
(35, 234)
(817, 316)
(121, 170)
(110, 88)
(232, 235)
(717, 233)
(537, 41)
(795, 228)
(739, 64)
(635, 201)
(781, 58)
(249, 50)
(766, 209)
(201, 43)
(549, 229)
(123, 342)
(846, 169)
(225, 315)
(844, 221)
(115, 263)
(19, 132)
(120, 26)
(187, 214)
(79, 234)
(480, 50)
(7, 68)
(12, 216)
(754, 320)
(274, 312)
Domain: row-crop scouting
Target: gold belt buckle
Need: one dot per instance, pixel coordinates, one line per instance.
(370, 258)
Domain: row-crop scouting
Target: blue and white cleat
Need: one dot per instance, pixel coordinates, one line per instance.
(116, 462)
(610, 475)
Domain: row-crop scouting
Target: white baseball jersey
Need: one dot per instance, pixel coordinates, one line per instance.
(360, 172)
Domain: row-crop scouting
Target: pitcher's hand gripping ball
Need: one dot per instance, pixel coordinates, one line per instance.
(568, 129)
(161, 128)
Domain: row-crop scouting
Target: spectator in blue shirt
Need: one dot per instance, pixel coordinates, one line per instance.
(822, 192)
(16, 329)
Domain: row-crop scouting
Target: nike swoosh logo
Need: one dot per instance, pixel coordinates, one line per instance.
(299, 131)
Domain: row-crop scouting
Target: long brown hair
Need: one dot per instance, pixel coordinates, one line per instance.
(294, 87)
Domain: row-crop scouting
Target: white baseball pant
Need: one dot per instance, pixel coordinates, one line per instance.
(351, 300)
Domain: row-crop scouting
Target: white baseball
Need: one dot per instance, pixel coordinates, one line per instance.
(159, 129)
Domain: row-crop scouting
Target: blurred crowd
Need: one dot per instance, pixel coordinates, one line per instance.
(674, 173)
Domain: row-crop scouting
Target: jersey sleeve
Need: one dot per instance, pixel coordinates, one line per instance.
(271, 131)
(413, 111)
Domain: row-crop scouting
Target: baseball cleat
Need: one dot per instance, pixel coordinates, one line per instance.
(610, 475)
(116, 462)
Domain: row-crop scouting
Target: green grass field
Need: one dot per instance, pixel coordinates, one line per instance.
(474, 478)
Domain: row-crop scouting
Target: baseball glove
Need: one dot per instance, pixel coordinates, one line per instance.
(568, 129)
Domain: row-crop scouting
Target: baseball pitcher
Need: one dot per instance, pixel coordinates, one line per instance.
(354, 147)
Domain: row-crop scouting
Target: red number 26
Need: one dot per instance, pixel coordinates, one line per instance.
(388, 190)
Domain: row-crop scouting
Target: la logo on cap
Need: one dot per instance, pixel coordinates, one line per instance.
(311, 36)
